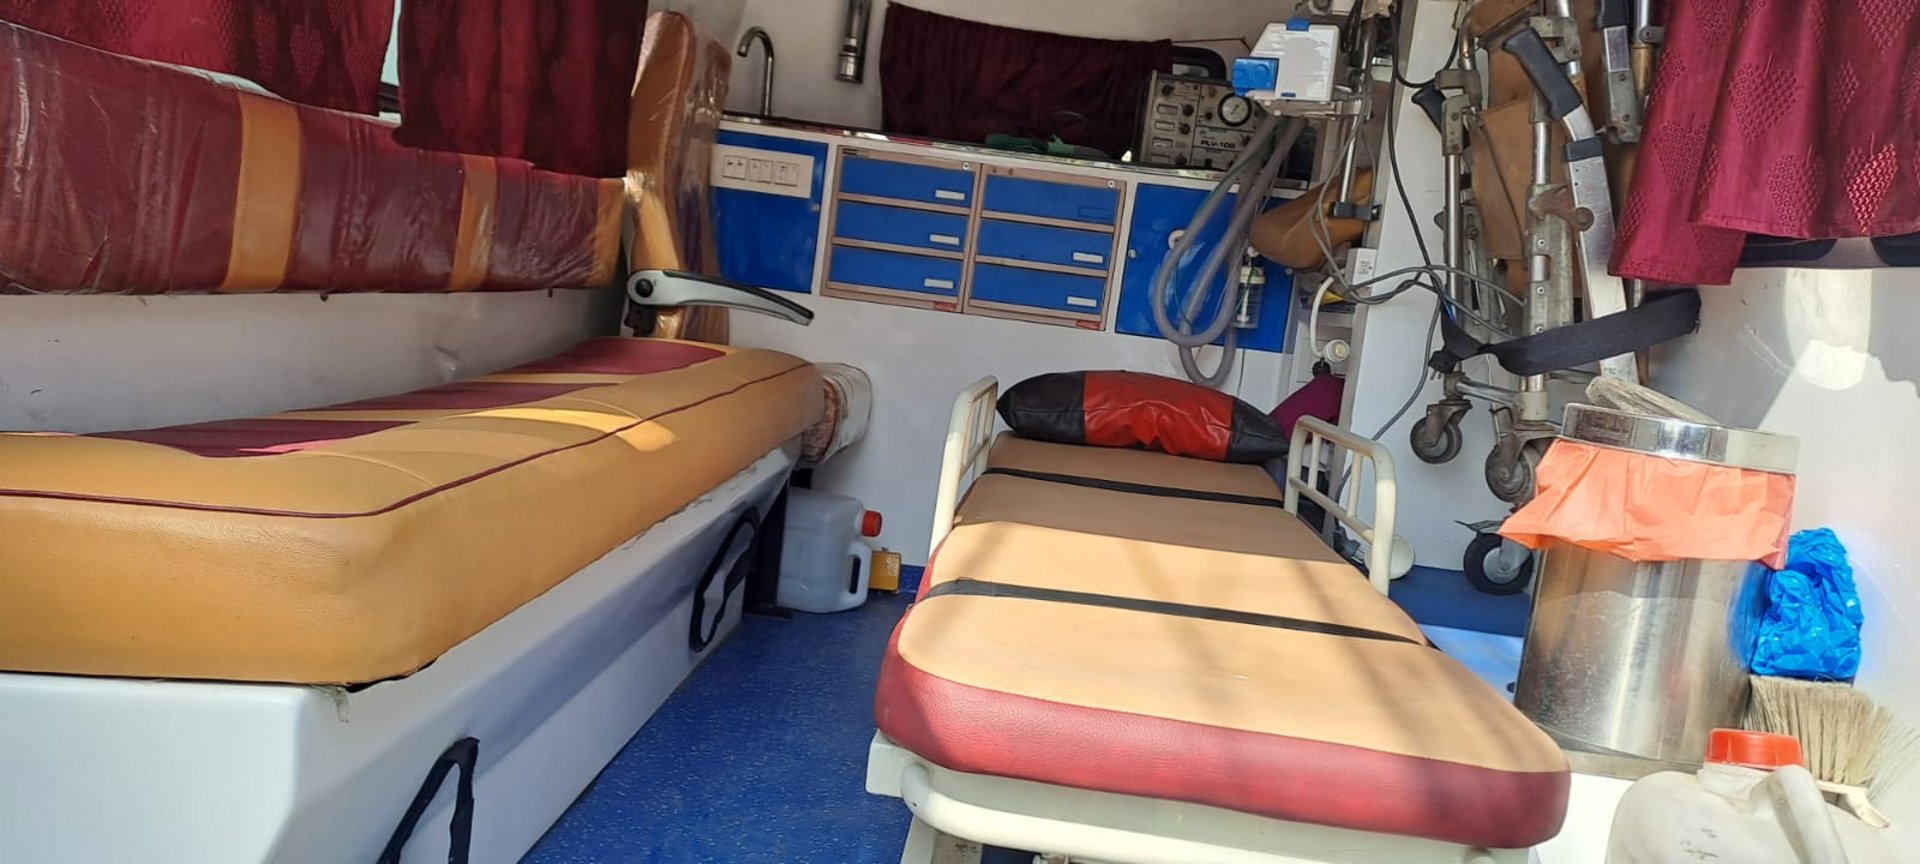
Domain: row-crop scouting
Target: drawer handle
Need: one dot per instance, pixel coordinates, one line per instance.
(943, 239)
(949, 195)
(938, 284)
(1089, 258)
(1087, 302)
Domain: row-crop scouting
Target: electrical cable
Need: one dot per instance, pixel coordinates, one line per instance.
(1427, 274)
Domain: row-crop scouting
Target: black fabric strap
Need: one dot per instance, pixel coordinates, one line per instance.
(979, 588)
(1663, 317)
(703, 632)
(463, 754)
(1136, 488)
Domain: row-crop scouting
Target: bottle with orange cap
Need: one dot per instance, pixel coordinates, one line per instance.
(1753, 802)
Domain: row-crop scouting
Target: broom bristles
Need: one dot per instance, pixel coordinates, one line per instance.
(1847, 738)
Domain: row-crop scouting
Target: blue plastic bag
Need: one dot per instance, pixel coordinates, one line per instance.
(1811, 628)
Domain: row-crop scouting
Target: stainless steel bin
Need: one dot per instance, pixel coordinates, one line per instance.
(1645, 660)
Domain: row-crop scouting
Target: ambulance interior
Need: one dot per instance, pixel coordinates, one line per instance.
(959, 431)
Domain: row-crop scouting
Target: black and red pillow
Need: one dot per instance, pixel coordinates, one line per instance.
(1141, 411)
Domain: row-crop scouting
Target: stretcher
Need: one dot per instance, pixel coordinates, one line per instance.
(1130, 657)
(391, 626)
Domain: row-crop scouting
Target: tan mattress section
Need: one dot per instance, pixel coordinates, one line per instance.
(363, 558)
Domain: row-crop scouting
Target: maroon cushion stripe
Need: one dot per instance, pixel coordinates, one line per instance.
(622, 357)
(464, 395)
(254, 437)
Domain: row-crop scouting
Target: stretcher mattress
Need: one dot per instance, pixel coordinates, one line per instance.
(1143, 624)
(358, 542)
(126, 176)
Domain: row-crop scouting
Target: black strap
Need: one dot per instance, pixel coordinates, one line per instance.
(462, 754)
(704, 632)
(1136, 488)
(1662, 317)
(980, 588)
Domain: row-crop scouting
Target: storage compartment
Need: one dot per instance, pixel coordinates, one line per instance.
(1039, 289)
(853, 268)
(924, 182)
(1043, 244)
(1046, 199)
(899, 226)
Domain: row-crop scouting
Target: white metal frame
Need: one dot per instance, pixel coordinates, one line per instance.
(969, 438)
(183, 772)
(1124, 829)
(1319, 446)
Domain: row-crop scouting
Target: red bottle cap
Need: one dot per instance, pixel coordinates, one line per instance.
(1761, 750)
(870, 524)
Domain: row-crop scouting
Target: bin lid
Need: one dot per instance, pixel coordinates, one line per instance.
(1681, 439)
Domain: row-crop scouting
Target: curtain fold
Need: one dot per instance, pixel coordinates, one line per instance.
(544, 81)
(961, 80)
(1790, 118)
(326, 53)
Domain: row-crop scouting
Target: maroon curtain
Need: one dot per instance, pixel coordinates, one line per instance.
(1793, 118)
(961, 80)
(319, 52)
(543, 80)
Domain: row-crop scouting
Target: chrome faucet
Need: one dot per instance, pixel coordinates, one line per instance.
(766, 72)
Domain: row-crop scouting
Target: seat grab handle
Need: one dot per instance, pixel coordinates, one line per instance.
(680, 288)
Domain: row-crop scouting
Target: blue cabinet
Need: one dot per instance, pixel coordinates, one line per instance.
(1039, 289)
(770, 240)
(1097, 204)
(899, 226)
(1045, 244)
(902, 180)
(854, 268)
(1158, 212)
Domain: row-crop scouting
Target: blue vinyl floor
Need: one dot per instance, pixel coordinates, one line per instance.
(760, 756)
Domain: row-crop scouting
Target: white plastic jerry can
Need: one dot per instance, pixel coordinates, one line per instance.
(1753, 802)
(824, 563)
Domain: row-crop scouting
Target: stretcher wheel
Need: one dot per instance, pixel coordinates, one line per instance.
(1434, 442)
(1510, 474)
(1493, 573)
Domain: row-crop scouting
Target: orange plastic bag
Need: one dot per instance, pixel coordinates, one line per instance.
(1651, 508)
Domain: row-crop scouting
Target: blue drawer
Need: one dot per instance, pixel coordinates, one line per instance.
(1071, 201)
(1039, 289)
(906, 181)
(900, 226)
(892, 270)
(1045, 244)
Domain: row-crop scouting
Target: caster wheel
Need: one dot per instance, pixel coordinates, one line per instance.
(1435, 443)
(1493, 573)
(1511, 480)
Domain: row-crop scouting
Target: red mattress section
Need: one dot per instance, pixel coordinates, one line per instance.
(982, 731)
(125, 176)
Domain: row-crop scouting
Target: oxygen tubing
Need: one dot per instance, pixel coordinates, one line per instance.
(1263, 163)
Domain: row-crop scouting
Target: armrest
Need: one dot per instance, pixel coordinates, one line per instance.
(679, 288)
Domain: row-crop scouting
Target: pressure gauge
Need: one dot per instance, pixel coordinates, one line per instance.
(1235, 110)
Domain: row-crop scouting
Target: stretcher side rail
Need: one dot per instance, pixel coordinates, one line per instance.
(969, 438)
(1364, 457)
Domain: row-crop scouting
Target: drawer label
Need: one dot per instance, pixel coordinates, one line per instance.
(938, 284)
(1089, 258)
(943, 239)
(768, 172)
(1087, 302)
(949, 195)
